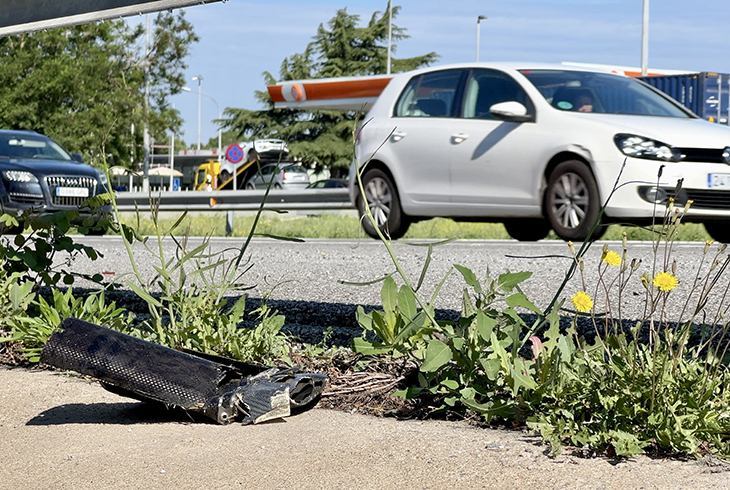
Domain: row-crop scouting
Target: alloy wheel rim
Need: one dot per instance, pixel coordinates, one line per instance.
(570, 200)
(379, 197)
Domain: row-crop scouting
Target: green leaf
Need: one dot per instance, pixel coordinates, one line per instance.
(469, 277)
(389, 294)
(519, 299)
(450, 384)
(509, 280)
(437, 355)
(407, 301)
(144, 295)
(411, 329)
(368, 348)
(485, 325)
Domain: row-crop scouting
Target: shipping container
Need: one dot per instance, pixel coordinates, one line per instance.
(706, 93)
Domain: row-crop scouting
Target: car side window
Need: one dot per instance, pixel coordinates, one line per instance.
(484, 88)
(429, 95)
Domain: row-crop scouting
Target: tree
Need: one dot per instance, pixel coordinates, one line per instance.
(324, 139)
(84, 85)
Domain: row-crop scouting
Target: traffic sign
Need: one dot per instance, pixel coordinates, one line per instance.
(234, 154)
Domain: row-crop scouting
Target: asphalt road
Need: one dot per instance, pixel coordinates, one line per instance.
(310, 272)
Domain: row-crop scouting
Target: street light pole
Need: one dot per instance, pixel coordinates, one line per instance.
(199, 78)
(645, 39)
(390, 34)
(479, 25)
(218, 108)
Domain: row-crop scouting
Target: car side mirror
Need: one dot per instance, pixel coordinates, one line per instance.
(76, 157)
(510, 111)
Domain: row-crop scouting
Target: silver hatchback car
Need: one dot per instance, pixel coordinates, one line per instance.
(537, 147)
(286, 176)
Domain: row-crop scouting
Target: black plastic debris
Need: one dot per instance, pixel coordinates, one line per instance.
(222, 389)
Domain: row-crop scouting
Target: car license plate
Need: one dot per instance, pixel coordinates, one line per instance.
(718, 181)
(72, 192)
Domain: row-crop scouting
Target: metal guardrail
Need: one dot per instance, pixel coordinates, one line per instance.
(304, 200)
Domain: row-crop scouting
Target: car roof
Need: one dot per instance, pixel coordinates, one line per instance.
(19, 132)
(509, 66)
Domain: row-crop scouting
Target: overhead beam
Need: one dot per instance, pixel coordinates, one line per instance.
(19, 16)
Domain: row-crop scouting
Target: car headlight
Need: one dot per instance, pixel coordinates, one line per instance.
(635, 146)
(102, 178)
(19, 176)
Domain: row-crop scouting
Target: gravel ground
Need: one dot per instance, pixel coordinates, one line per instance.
(304, 280)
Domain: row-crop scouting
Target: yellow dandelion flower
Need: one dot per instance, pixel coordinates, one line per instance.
(582, 302)
(665, 281)
(612, 258)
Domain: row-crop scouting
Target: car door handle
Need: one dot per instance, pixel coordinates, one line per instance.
(458, 138)
(398, 135)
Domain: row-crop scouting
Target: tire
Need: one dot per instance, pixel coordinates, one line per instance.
(719, 230)
(250, 186)
(224, 176)
(96, 232)
(252, 155)
(527, 229)
(277, 187)
(382, 197)
(11, 230)
(572, 202)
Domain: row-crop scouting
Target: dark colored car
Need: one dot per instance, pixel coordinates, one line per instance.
(329, 184)
(37, 174)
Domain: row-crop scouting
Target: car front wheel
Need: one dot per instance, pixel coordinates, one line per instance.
(527, 229)
(572, 203)
(224, 176)
(382, 198)
(719, 230)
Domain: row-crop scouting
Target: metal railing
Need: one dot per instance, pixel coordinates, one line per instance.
(304, 200)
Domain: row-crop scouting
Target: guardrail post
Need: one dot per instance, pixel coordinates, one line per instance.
(229, 223)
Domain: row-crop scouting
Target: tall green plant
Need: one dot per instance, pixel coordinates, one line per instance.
(191, 309)
(624, 391)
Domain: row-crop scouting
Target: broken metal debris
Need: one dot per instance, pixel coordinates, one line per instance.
(220, 388)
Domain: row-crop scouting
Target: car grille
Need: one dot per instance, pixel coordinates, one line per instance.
(56, 181)
(704, 199)
(26, 198)
(710, 155)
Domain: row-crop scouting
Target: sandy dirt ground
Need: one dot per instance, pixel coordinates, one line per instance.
(63, 432)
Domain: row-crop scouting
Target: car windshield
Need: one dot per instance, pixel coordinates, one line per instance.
(604, 93)
(29, 146)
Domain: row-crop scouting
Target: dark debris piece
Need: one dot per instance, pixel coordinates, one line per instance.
(223, 389)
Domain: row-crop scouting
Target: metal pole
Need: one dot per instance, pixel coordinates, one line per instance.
(390, 34)
(645, 39)
(146, 131)
(172, 155)
(479, 27)
(199, 78)
(719, 98)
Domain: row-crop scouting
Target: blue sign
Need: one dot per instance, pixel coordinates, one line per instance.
(176, 184)
(234, 154)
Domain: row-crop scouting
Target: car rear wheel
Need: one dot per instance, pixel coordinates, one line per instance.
(572, 203)
(224, 176)
(382, 198)
(11, 230)
(719, 230)
(527, 229)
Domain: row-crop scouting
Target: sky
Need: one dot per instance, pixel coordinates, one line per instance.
(239, 40)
